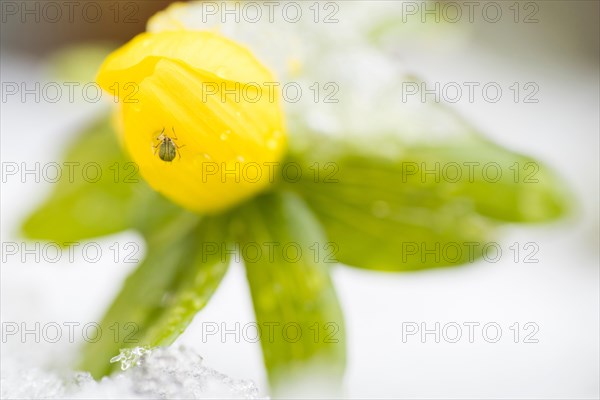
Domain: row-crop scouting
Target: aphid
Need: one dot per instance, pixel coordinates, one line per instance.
(167, 148)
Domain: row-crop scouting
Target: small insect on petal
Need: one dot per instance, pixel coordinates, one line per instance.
(167, 148)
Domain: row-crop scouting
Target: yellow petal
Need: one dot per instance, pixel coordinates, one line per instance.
(208, 95)
(206, 51)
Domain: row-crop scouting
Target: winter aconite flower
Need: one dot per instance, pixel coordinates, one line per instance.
(197, 116)
(381, 182)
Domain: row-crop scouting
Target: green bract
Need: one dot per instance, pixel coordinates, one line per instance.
(365, 207)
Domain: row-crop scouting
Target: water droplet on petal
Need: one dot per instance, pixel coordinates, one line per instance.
(272, 144)
(221, 71)
(225, 134)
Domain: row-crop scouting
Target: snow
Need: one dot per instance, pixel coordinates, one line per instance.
(175, 372)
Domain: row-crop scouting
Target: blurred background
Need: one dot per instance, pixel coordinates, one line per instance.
(559, 294)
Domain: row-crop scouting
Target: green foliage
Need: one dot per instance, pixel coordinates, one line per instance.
(79, 63)
(164, 293)
(366, 206)
(99, 202)
(292, 291)
(381, 211)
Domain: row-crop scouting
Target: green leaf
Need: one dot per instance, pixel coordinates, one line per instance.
(160, 298)
(386, 213)
(292, 291)
(95, 198)
(526, 191)
(101, 195)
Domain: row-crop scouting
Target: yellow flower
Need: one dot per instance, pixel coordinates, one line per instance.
(211, 100)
